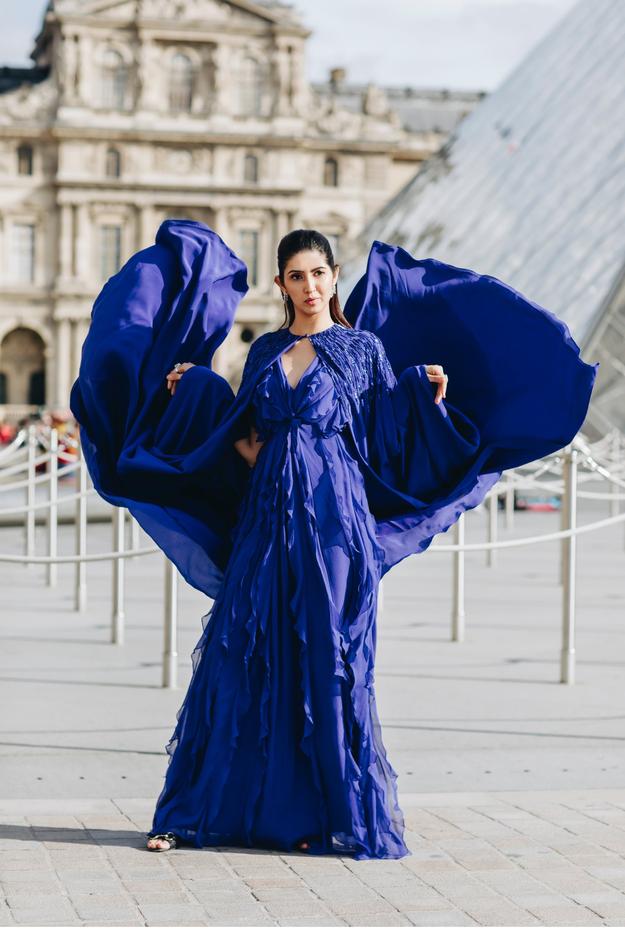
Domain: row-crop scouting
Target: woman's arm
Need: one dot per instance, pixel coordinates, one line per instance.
(249, 447)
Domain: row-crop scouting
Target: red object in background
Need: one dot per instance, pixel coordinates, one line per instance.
(537, 503)
(7, 433)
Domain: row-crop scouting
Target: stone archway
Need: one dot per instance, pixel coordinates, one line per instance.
(22, 368)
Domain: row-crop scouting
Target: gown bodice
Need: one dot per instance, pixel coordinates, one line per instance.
(312, 405)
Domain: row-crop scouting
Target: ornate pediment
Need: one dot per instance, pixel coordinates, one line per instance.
(175, 11)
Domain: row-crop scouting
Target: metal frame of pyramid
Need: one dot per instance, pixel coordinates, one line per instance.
(530, 188)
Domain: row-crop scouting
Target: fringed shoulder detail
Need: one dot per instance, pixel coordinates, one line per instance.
(355, 357)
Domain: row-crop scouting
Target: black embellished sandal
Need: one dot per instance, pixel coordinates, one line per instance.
(304, 845)
(168, 838)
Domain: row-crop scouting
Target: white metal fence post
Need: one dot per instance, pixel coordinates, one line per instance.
(170, 625)
(53, 492)
(80, 533)
(118, 617)
(615, 454)
(564, 514)
(493, 508)
(457, 617)
(30, 491)
(510, 504)
(567, 659)
(135, 531)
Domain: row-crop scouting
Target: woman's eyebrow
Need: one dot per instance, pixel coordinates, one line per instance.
(294, 270)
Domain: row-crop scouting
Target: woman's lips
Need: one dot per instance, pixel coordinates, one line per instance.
(310, 302)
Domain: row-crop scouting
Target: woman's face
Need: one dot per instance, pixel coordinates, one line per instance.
(309, 281)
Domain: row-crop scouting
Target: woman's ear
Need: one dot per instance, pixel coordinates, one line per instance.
(278, 283)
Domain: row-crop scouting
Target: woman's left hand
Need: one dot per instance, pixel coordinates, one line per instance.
(437, 375)
(175, 375)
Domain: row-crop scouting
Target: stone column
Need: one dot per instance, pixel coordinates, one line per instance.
(223, 79)
(281, 224)
(66, 242)
(83, 241)
(63, 362)
(147, 226)
(300, 89)
(221, 223)
(79, 332)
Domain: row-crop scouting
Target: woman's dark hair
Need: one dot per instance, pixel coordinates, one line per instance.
(307, 239)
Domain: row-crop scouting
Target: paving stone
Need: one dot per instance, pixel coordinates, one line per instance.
(25, 901)
(513, 883)
(32, 889)
(605, 907)
(232, 917)
(172, 914)
(24, 860)
(100, 888)
(497, 912)
(40, 916)
(103, 873)
(110, 919)
(559, 914)
(28, 876)
(370, 919)
(448, 917)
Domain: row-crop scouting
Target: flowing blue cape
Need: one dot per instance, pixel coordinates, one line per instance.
(518, 390)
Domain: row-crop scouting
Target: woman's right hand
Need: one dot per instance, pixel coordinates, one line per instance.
(176, 374)
(249, 447)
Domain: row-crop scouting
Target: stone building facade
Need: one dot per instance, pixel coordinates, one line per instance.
(141, 110)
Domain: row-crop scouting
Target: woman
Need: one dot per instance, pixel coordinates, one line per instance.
(346, 469)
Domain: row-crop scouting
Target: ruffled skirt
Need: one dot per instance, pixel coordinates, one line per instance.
(278, 739)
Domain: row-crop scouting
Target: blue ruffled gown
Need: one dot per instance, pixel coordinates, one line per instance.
(278, 738)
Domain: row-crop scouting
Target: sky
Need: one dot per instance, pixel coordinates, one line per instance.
(455, 44)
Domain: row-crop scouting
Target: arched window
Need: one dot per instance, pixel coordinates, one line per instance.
(113, 163)
(22, 362)
(250, 168)
(181, 80)
(250, 88)
(25, 159)
(114, 80)
(330, 172)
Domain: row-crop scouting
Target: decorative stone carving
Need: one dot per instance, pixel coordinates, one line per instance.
(208, 11)
(29, 102)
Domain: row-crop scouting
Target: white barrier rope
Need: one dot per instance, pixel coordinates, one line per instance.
(24, 509)
(81, 558)
(451, 548)
(39, 480)
(537, 539)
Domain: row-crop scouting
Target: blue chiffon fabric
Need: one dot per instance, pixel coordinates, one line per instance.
(278, 738)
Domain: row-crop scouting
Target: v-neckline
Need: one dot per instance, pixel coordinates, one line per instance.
(301, 377)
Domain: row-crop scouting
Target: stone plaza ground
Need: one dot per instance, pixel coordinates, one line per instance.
(512, 784)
